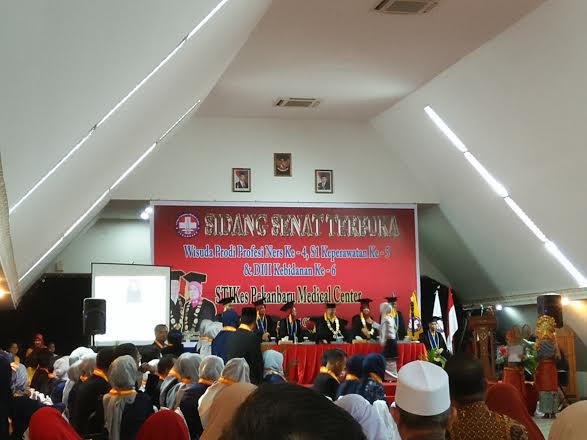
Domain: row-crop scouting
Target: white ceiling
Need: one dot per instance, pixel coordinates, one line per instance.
(357, 61)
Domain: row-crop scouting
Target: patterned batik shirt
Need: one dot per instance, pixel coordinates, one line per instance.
(476, 422)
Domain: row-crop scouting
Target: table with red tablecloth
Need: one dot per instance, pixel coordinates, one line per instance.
(301, 362)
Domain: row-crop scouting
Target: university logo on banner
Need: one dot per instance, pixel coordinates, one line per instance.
(187, 225)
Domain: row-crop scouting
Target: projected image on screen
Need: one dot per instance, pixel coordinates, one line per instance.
(135, 303)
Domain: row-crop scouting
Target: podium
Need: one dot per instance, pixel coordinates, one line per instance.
(483, 329)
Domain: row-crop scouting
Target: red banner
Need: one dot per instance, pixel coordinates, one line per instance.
(309, 255)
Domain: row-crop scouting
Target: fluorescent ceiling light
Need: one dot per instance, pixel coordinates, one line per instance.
(108, 191)
(119, 104)
(149, 210)
(445, 129)
(555, 251)
(527, 220)
(144, 215)
(494, 184)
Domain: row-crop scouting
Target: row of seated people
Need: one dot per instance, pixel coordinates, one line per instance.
(209, 399)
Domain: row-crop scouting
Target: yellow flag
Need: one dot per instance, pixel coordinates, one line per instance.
(415, 319)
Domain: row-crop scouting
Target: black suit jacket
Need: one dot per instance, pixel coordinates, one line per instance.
(326, 384)
(425, 339)
(283, 330)
(324, 333)
(401, 327)
(357, 326)
(271, 327)
(245, 344)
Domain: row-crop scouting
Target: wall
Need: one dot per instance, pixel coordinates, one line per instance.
(518, 104)
(196, 163)
(107, 241)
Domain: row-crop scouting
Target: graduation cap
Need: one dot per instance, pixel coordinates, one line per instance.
(330, 305)
(391, 299)
(249, 312)
(365, 301)
(436, 318)
(175, 275)
(287, 306)
(195, 277)
(259, 303)
(226, 301)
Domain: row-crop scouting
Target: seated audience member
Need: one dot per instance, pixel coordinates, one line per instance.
(224, 408)
(5, 392)
(371, 386)
(78, 373)
(208, 332)
(125, 409)
(128, 349)
(236, 370)
(88, 417)
(473, 418)
(364, 413)
(352, 380)
(172, 379)
(155, 380)
(273, 367)
(391, 432)
(210, 370)
(164, 425)
(48, 424)
(422, 400)
(13, 350)
(174, 344)
(51, 347)
(42, 376)
(506, 400)
(22, 406)
(246, 343)
(160, 342)
(74, 371)
(188, 366)
(57, 383)
(280, 412)
(229, 323)
(328, 380)
(571, 423)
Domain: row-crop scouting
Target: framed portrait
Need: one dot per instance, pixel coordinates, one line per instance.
(282, 164)
(323, 181)
(241, 180)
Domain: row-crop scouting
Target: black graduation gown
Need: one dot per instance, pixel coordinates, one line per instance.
(357, 326)
(134, 415)
(271, 326)
(189, 409)
(88, 417)
(245, 344)
(324, 333)
(284, 330)
(401, 326)
(153, 388)
(326, 384)
(176, 313)
(193, 316)
(219, 345)
(40, 382)
(23, 409)
(425, 339)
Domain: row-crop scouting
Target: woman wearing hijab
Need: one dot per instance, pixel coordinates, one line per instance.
(85, 366)
(224, 408)
(365, 414)
(42, 375)
(229, 325)
(57, 383)
(125, 409)
(188, 369)
(235, 371)
(505, 399)
(352, 380)
(273, 367)
(371, 386)
(571, 424)
(23, 407)
(210, 370)
(74, 374)
(48, 424)
(166, 425)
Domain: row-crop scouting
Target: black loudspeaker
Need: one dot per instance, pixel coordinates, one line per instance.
(551, 305)
(94, 316)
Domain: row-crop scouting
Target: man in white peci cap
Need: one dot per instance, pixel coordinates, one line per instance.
(422, 402)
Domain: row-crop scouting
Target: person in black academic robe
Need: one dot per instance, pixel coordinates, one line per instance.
(88, 417)
(398, 317)
(363, 325)
(329, 326)
(434, 339)
(196, 308)
(290, 326)
(42, 376)
(226, 304)
(266, 325)
(328, 379)
(219, 344)
(244, 343)
(176, 302)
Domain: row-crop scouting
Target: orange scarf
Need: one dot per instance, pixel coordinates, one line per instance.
(99, 373)
(159, 344)
(330, 373)
(49, 375)
(175, 374)
(83, 378)
(226, 380)
(376, 377)
(122, 393)
(229, 328)
(351, 377)
(186, 381)
(205, 381)
(245, 327)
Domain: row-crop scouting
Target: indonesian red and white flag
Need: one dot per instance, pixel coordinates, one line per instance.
(453, 322)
